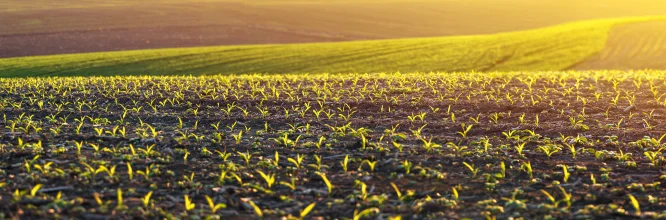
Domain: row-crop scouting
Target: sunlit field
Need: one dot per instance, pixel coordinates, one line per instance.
(552, 48)
(633, 46)
(322, 109)
(44, 27)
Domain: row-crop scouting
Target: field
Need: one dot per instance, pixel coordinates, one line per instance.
(552, 48)
(332, 109)
(537, 145)
(632, 46)
(42, 27)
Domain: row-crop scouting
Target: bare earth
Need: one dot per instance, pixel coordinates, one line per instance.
(148, 38)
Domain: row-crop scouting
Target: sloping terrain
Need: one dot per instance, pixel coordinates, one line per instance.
(631, 46)
(39, 27)
(553, 48)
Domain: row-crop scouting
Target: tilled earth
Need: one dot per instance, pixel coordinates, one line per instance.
(548, 145)
(119, 39)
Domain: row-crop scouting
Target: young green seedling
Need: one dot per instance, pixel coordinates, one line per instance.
(366, 212)
(565, 173)
(276, 160)
(130, 171)
(269, 179)
(552, 199)
(549, 150)
(527, 167)
(471, 169)
(407, 166)
(329, 186)
(256, 208)
(465, 130)
(635, 204)
(146, 199)
(291, 185)
(119, 195)
(397, 191)
(189, 205)
(307, 210)
(370, 164)
(214, 207)
(246, 156)
(35, 189)
(345, 162)
(298, 161)
(397, 146)
(455, 193)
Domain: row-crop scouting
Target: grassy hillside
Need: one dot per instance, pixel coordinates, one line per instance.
(45, 27)
(552, 48)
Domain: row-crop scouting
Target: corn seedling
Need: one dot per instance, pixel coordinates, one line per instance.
(635, 204)
(329, 186)
(257, 210)
(214, 207)
(146, 199)
(465, 130)
(269, 179)
(366, 212)
(344, 163)
(527, 167)
(298, 161)
(471, 169)
(565, 173)
(189, 205)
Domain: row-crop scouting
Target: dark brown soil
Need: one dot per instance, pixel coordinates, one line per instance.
(17, 45)
(611, 142)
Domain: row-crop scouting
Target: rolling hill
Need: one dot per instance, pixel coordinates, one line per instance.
(631, 46)
(552, 48)
(44, 27)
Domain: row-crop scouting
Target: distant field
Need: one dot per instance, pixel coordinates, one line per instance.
(40, 27)
(554, 48)
(632, 46)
